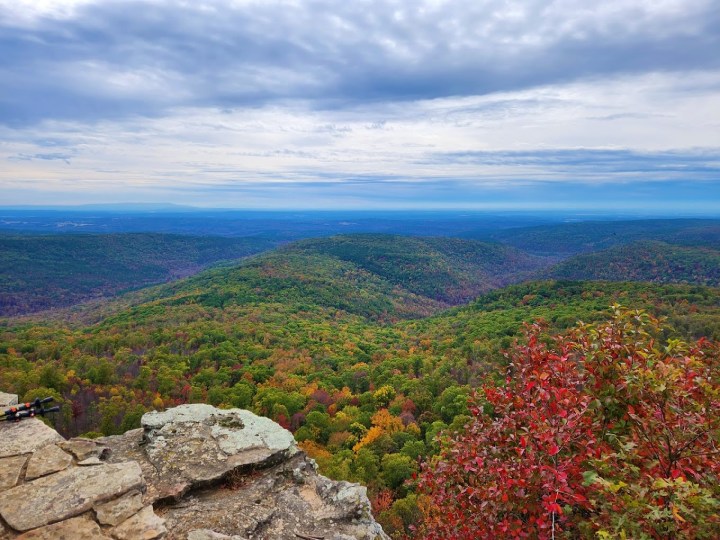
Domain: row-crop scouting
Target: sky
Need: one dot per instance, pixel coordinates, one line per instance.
(363, 104)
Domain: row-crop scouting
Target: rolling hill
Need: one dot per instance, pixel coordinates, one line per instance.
(50, 271)
(497, 317)
(381, 277)
(398, 276)
(653, 261)
(448, 270)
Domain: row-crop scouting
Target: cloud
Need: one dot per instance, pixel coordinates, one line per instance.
(89, 60)
(596, 165)
(600, 131)
(381, 102)
(52, 156)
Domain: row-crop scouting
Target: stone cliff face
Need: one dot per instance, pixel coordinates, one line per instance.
(193, 472)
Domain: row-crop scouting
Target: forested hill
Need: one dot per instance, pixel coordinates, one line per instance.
(692, 311)
(50, 271)
(449, 270)
(653, 261)
(389, 278)
(572, 238)
(376, 276)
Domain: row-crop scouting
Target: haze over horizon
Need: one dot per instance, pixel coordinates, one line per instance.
(380, 104)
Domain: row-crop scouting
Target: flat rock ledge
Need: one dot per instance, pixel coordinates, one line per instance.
(192, 472)
(46, 493)
(195, 445)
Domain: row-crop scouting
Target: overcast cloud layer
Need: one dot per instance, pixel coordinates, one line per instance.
(374, 103)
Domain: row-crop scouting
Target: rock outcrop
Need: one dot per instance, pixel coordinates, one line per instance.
(193, 472)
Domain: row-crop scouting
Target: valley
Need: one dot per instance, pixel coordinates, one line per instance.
(366, 346)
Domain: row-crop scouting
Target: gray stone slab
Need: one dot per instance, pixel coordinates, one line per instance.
(235, 430)
(25, 437)
(192, 445)
(84, 449)
(144, 525)
(118, 510)
(7, 400)
(67, 494)
(10, 469)
(272, 504)
(46, 461)
(79, 528)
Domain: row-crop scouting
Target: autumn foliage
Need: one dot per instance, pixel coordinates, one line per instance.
(605, 432)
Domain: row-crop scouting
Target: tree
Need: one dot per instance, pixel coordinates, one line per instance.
(657, 409)
(605, 432)
(396, 469)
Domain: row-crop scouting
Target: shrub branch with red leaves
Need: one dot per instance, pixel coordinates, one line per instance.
(605, 432)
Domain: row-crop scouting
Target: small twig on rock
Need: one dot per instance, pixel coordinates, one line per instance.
(306, 537)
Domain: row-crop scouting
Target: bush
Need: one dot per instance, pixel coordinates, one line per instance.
(607, 432)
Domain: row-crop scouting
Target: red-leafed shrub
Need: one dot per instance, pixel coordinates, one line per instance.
(608, 432)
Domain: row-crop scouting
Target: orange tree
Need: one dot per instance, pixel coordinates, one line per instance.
(605, 432)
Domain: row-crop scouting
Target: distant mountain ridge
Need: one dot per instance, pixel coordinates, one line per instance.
(573, 238)
(390, 278)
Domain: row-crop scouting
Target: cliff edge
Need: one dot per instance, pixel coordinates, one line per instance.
(193, 472)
